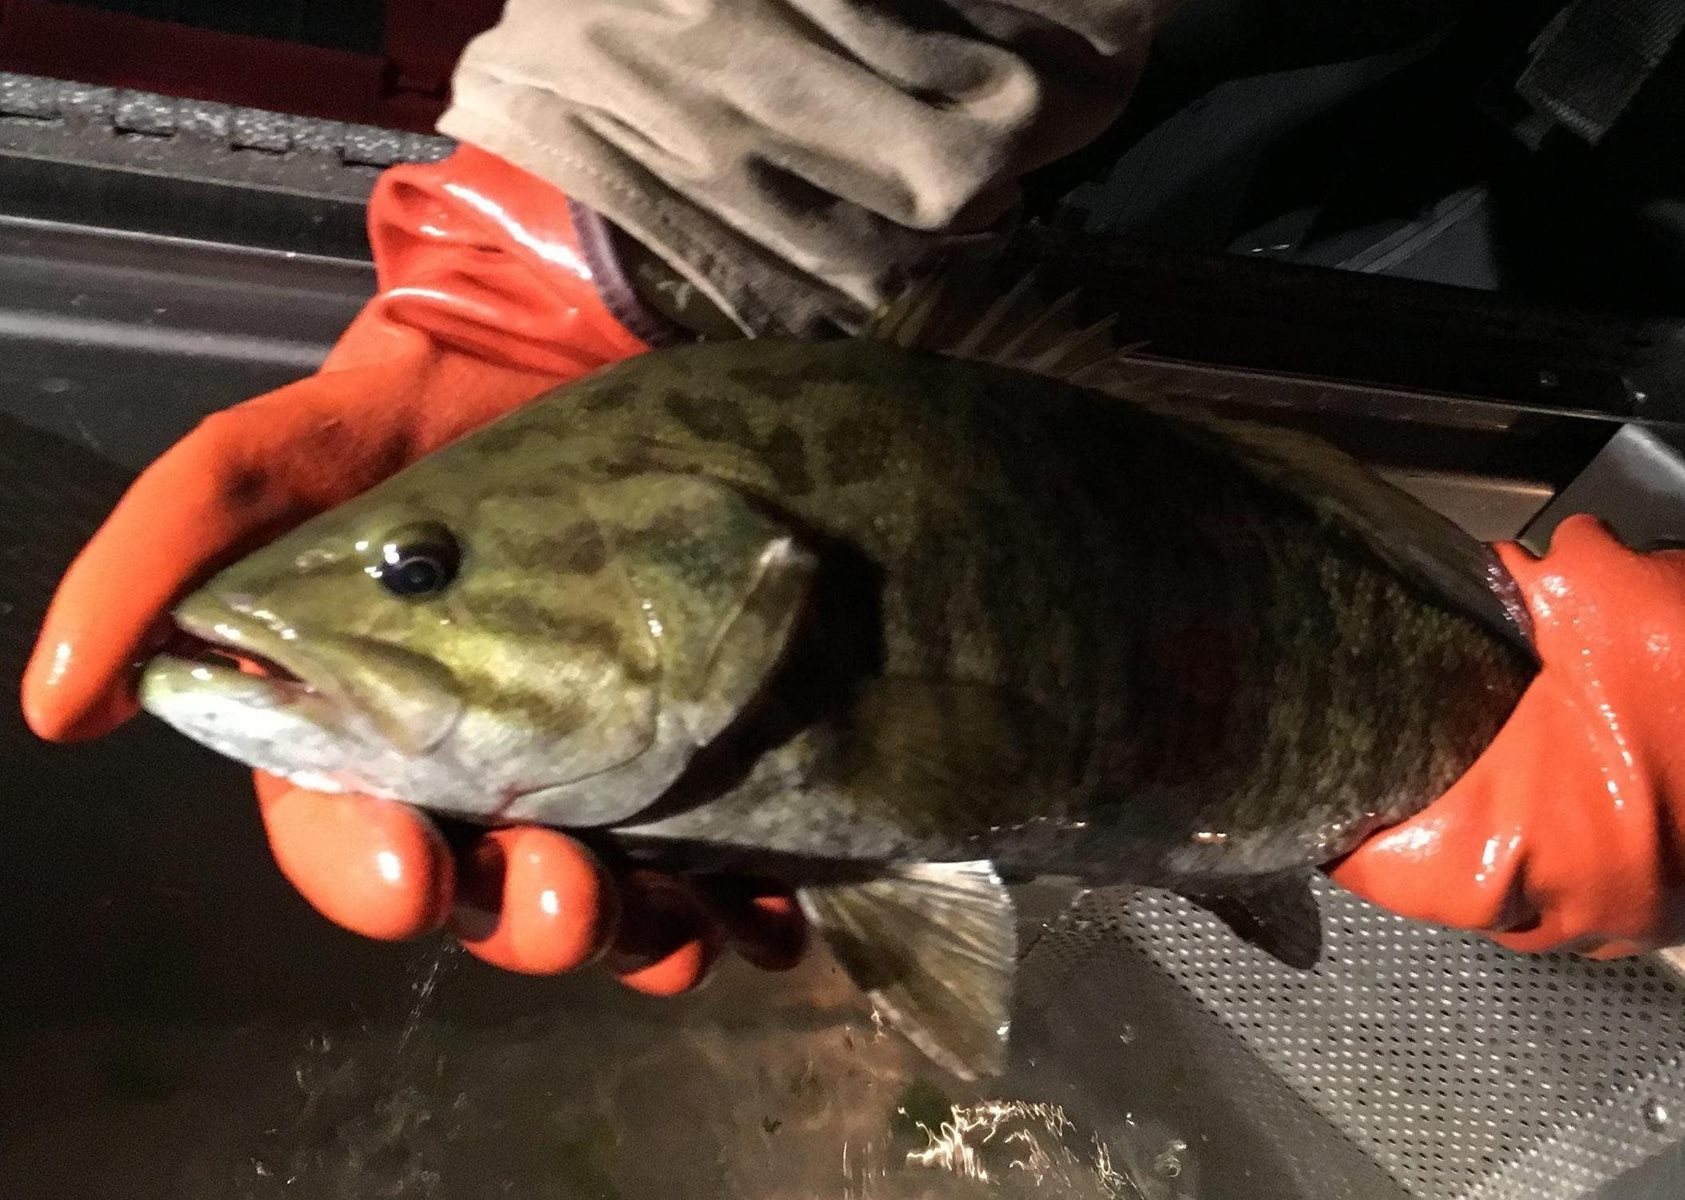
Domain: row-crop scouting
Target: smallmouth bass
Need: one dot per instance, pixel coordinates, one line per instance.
(900, 620)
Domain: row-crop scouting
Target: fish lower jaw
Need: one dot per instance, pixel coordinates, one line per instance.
(274, 726)
(211, 671)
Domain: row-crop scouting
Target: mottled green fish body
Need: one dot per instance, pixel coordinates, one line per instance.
(896, 622)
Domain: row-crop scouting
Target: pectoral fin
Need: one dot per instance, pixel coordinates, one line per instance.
(1281, 918)
(935, 948)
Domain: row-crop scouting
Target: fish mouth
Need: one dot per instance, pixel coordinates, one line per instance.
(231, 681)
(220, 642)
(233, 648)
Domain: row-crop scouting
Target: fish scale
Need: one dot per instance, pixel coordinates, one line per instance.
(893, 619)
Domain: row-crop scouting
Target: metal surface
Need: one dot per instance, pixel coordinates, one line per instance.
(140, 162)
(1636, 484)
(174, 1022)
(1489, 508)
(1459, 1069)
(143, 131)
(1236, 313)
(120, 341)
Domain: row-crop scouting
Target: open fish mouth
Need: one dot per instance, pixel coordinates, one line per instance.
(217, 658)
(232, 682)
(216, 646)
(230, 662)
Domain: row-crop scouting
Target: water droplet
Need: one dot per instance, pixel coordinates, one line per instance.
(1168, 1163)
(1126, 1033)
(1549, 379)
(1656, 1115)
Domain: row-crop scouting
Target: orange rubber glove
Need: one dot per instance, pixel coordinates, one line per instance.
(485, 299)
(1568, 833)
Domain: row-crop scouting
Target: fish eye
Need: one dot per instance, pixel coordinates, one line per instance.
(417, 560)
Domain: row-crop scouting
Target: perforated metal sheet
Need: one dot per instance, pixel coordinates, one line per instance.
(1458, 1069)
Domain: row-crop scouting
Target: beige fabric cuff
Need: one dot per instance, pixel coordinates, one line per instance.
(795, 160)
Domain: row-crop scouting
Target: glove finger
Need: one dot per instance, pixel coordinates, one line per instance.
(762, 921)
(376, 867)
(1582, 546)
(243, 475)
(668, 938)
(681, 970)
(1552, 937)
(533, 900)
(1436, 867)
(1617, 949)
(1461, 861)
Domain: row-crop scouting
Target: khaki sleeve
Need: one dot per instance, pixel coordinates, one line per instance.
(794, 160)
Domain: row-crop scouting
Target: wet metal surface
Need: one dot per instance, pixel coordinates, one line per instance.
(1636, 484)
(120, 343)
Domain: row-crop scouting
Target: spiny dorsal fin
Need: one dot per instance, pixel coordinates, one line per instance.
(951, 315)
(1017, 329)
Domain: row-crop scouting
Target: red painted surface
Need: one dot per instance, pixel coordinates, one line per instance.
(403, 88)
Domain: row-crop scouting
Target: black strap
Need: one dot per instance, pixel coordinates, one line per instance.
(1591, 60)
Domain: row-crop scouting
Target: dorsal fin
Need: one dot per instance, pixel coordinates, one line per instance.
(1017, 328)
(962, 313)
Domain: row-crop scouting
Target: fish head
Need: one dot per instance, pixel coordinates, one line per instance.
(511, 644)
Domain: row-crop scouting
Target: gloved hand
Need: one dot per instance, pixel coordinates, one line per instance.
(1568, 833)
(485, 300)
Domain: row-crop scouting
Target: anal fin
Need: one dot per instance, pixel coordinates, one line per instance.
(1279, 917)
(934, 947)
